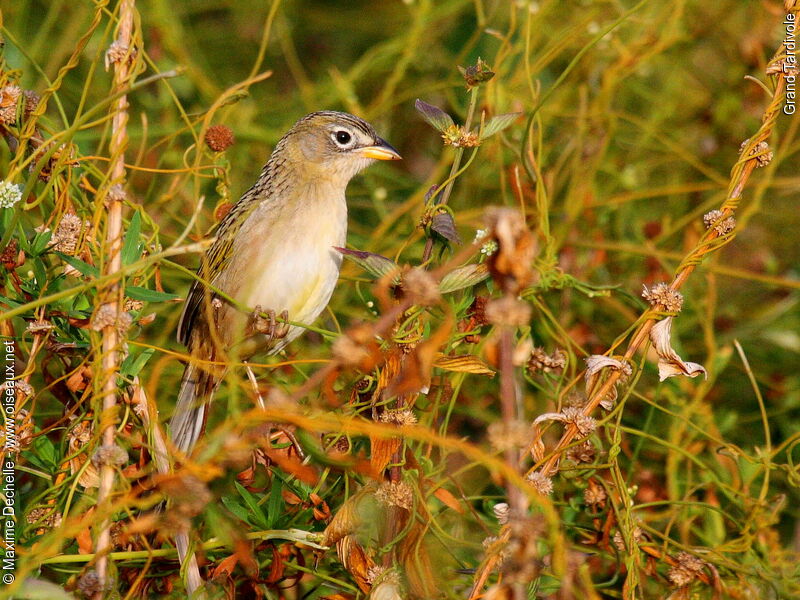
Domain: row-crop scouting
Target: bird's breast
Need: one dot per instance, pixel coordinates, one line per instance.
(286, 259)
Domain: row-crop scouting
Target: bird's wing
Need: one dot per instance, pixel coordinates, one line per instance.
(215, 260)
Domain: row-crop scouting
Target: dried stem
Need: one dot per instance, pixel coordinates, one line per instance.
(740, 174)
(113, 293)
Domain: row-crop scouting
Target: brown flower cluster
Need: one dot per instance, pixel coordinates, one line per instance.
(661, 294)
(687, 569)
(219, 138)
(540, 361)
(723, 227)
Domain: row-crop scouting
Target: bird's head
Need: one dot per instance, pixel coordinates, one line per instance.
(335, 145)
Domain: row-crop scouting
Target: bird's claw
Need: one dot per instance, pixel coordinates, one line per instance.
(268, 325)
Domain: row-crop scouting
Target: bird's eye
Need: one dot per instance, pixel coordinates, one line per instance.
(342, 137)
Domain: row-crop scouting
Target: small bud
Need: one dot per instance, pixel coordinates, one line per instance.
(585, 423)
(501, 512)
(476, 74)
(459, 137)
(582, 453)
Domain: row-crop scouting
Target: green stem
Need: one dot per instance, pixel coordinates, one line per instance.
(454, 170)
(293, 535)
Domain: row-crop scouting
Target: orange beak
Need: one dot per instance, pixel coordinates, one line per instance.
(380, 151)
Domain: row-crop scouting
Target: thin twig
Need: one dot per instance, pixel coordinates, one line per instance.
(711, 241)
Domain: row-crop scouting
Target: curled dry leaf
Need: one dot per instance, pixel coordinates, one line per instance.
(343, 530)
(669, 363)
(467, 363)
(595, 365)
(512, 265)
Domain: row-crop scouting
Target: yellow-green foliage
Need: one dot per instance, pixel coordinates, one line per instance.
(632, 117)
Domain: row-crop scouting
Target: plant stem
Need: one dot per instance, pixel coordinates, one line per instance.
(445, 195)
(113, 293)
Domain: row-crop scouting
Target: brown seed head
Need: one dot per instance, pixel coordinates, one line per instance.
(219, 138)
(662, 295)
(9, 96)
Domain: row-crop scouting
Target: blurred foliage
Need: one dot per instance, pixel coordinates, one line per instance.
(627, 153)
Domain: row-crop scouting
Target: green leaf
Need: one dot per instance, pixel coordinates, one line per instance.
(435, 116)
(133, 364)
(44, 450)
(256, 514)
(463, 277)
(80, 266)
(8, 301)
(237, 509)
(376, 265)
(275, 503)
(145, 295)
(40, 242)
(131, 249)
(497, 124)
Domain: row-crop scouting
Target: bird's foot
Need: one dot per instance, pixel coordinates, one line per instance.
(268, 325)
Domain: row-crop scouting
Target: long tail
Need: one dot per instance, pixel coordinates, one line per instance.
(186, 425)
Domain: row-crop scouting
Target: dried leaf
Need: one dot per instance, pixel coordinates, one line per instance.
(669, 363)
(466, 363)
(293, 465)
(498, 124)
(382, 451)
(225, 567)
(595, 364)
(435, 116)
(444, 224)
(376, 265)
(463, 277)
(449, 500)
(84, 539)
(357, 562)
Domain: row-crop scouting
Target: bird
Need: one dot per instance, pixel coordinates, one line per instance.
(275, 252)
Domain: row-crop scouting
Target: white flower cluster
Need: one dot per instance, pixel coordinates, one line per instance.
(490, 247)
(10, 194)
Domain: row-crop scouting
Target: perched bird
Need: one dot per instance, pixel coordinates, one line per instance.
(273, 253)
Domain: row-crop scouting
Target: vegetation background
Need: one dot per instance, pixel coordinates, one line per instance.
(636, 111)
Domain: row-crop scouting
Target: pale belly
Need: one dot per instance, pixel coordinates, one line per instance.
(295, 271)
